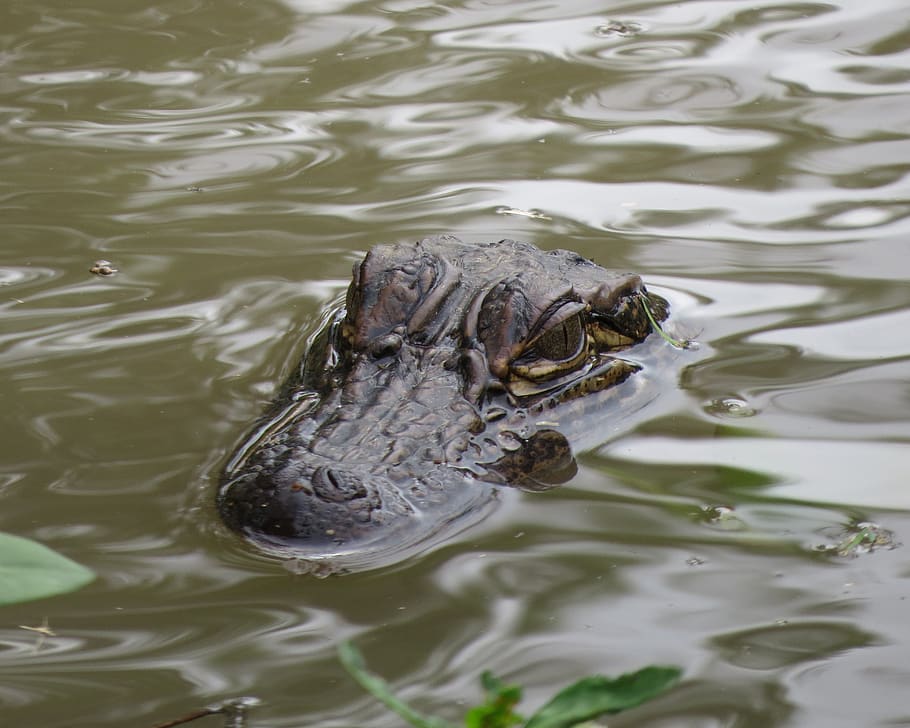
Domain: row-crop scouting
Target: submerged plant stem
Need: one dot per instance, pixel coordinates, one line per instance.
(353, 662)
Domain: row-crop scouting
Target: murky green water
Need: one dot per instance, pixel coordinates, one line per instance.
(232, 159)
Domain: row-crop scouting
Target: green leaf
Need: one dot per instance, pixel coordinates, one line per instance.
(30, 570)
(353, 662)
(595, 695)
(497, 711)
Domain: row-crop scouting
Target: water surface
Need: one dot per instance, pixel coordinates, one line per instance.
(233, 160)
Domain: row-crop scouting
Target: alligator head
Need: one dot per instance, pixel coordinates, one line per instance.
(452, 370)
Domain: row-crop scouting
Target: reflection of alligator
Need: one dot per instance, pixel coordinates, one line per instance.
(446, 374)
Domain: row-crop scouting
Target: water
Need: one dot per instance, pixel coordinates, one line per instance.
(232, 160)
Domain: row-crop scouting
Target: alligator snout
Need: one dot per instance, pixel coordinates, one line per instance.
(295, 507)
(340, 520)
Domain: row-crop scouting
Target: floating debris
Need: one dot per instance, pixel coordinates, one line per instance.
(859, 538)
(44, 631)
(234, 712)
(103, 268)
(618, 27)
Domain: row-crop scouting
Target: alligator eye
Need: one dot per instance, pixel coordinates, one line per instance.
(562, 342)
(558, 351)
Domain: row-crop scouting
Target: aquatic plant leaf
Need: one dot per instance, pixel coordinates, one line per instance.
(353, 662)
(497, 711)
(29, 570)
(595, 695)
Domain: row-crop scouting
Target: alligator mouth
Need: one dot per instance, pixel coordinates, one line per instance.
(595, 376)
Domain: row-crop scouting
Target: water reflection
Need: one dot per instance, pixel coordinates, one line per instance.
(806, 469)
(232, 161)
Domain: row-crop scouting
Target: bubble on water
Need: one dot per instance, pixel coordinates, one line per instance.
(618, 28)
(731, 406)
(720, 516)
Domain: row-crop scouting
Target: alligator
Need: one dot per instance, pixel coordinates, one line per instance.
(451, 371)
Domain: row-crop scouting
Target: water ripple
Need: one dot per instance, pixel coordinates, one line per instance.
(164, 78)
(24, 276)
(189, 132)
(233, 160)
(234, 165)
(831, 475)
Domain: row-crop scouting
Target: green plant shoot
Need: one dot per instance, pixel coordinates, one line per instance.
(497, 711)
(575, 705)
(678, 343)
(353, 662)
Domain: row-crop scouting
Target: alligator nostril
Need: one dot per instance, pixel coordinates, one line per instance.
(337, 486)
(387, 345)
